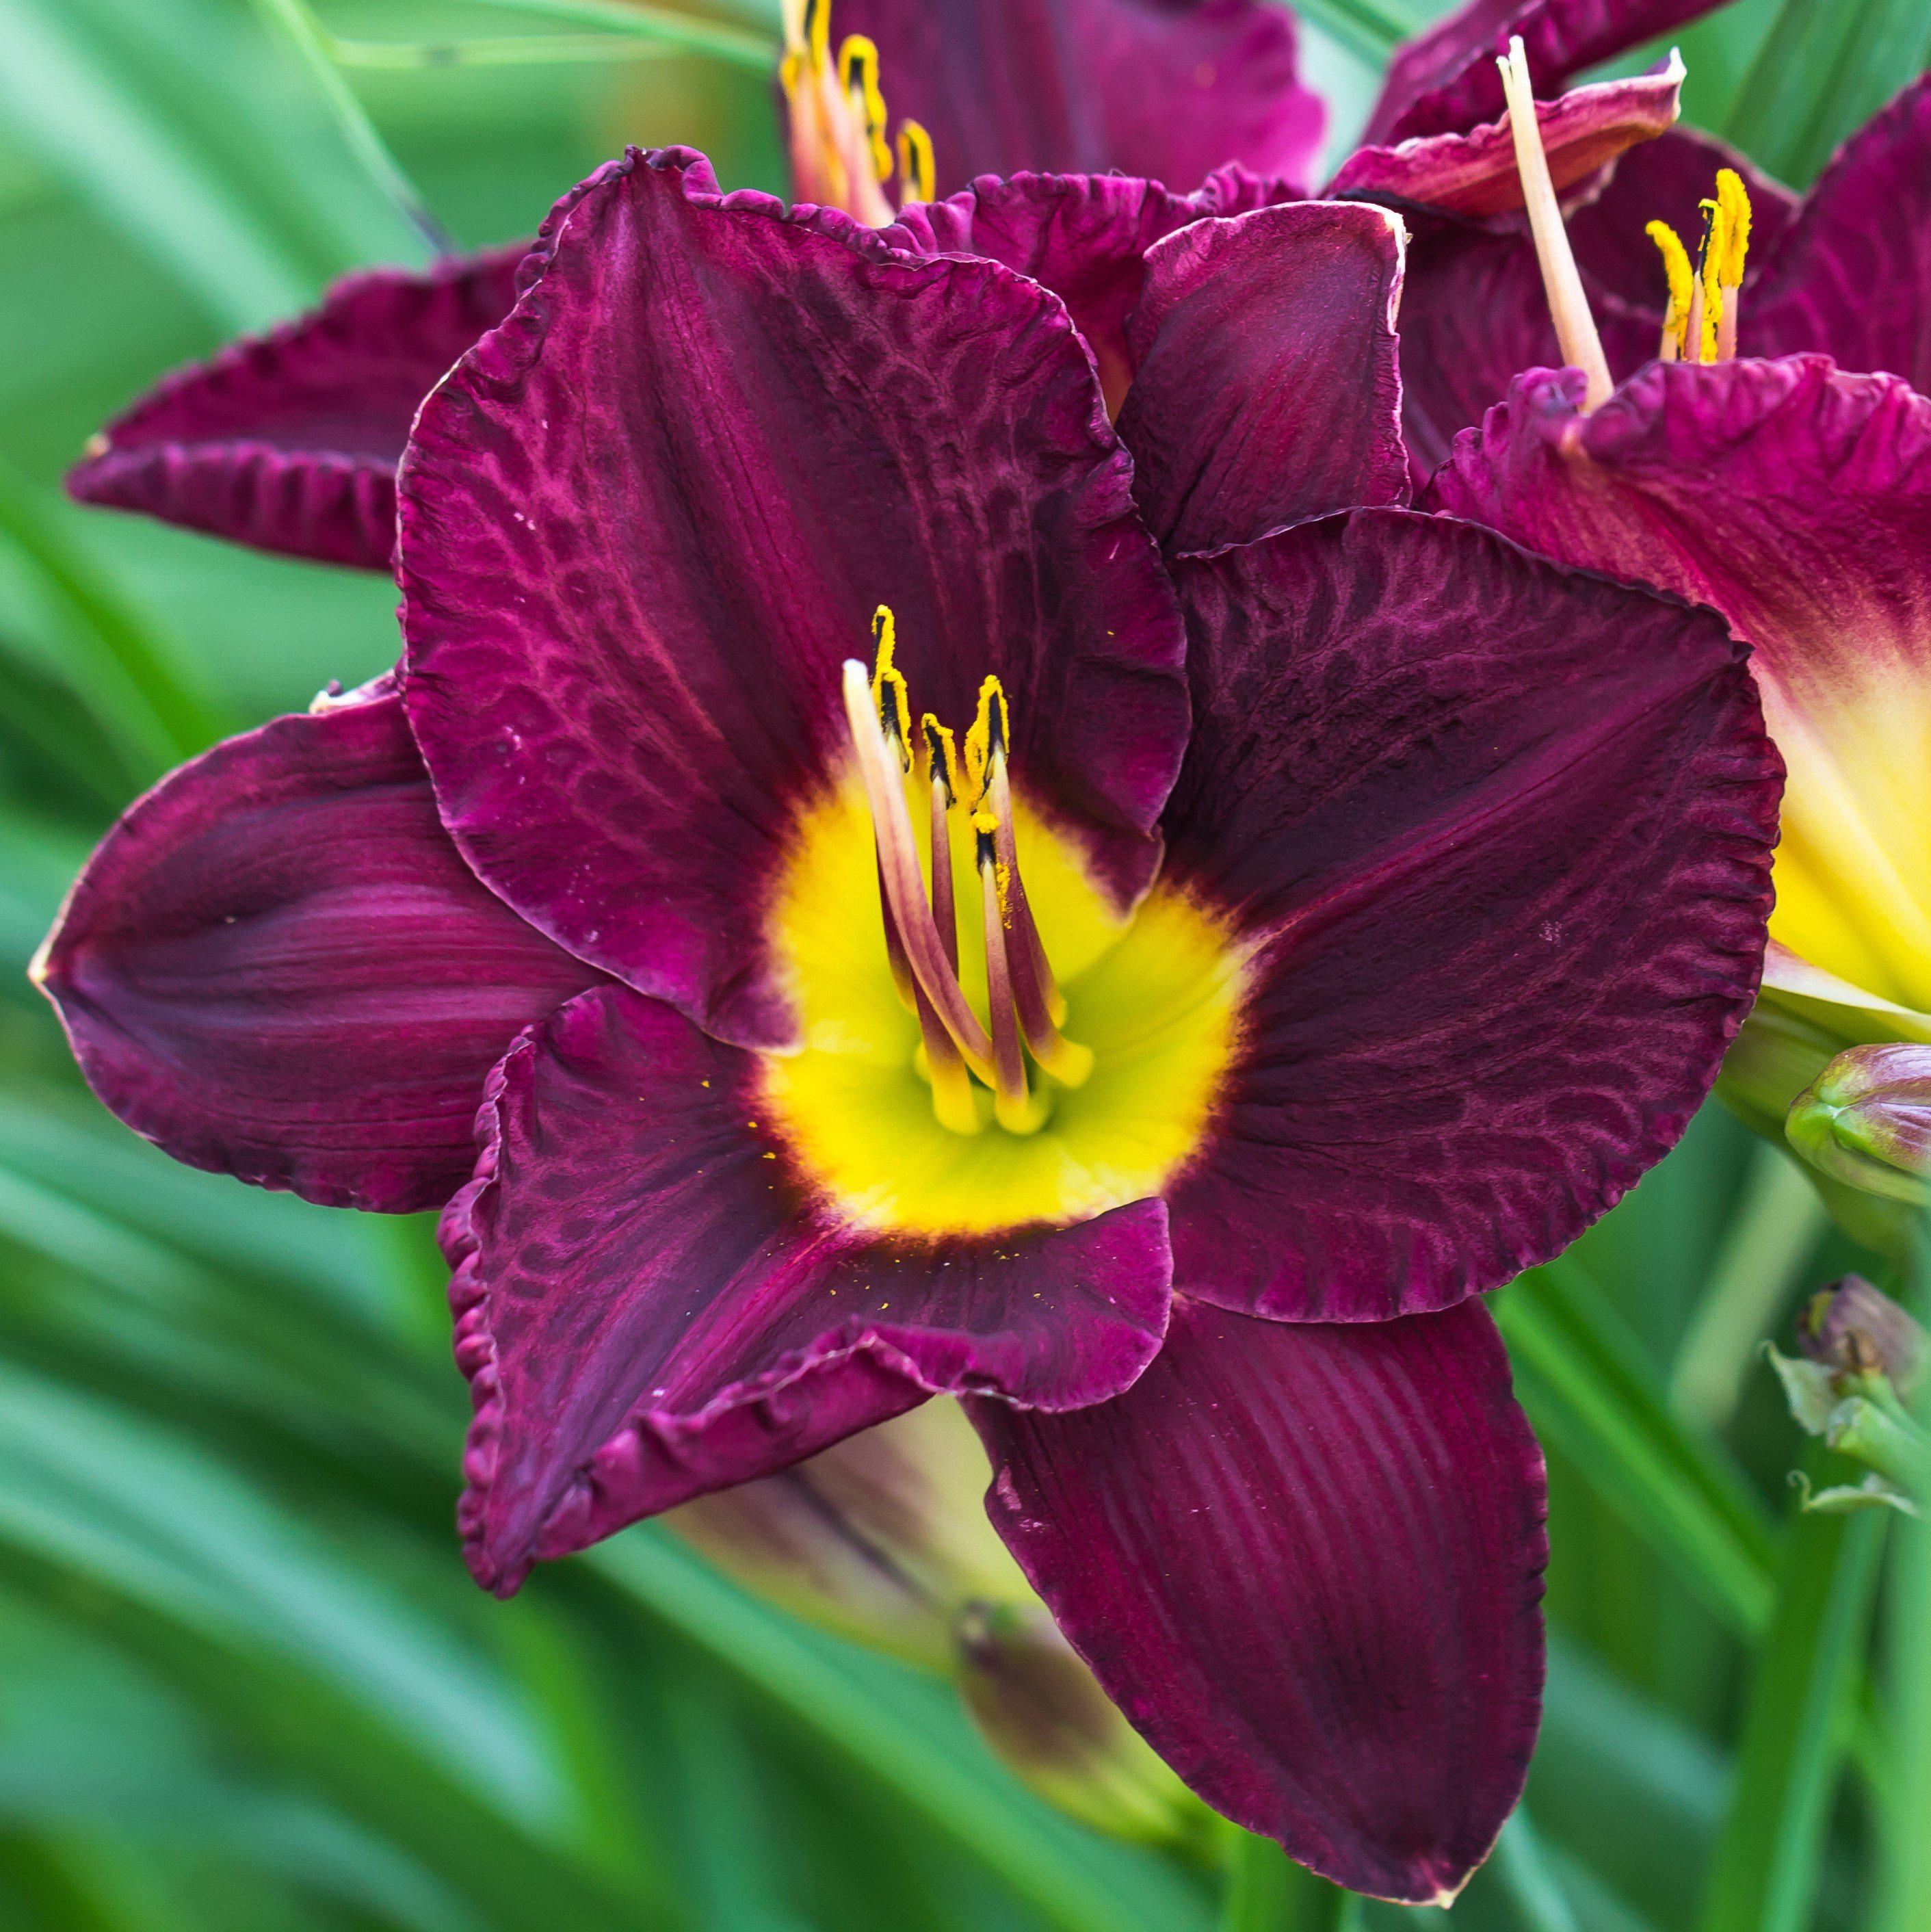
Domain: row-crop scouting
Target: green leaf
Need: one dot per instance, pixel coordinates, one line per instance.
(1766, 1871)
(1588, 1386)
(1264, 1891)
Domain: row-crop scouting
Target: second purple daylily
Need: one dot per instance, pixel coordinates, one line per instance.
(902, 936)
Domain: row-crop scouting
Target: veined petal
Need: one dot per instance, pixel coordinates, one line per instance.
(1498, 836)
(1264, 385)
(1444, 81)
(645, 522)
(1164, 89)
(1306, 1561)
(277, 966)
(1083, 236)
(289, 441)
(1797, 500)
(650, 1304)
(1474, 174)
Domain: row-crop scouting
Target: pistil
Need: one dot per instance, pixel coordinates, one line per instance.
(1568, 305)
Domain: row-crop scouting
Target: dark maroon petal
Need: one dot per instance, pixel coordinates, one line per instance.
(1663, 180)
(649, 1305)
(289, 441)
(276, 966)
(646, 521)
(1264, 387)
(1164, 89)
(1851, 275)
(1444, 82)
(1473, 174)
(1306, 1562)
(1083, 236)
(1499, 834)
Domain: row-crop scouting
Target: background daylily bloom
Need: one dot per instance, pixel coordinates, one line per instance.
(1364, 903)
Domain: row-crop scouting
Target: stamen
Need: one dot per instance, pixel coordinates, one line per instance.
(858, 75)
(898, 867)
(1733, 200)
(1681, 279)
(888, 691)
(1568, 305)
(1706, 305)
(952, 1083)
(918, 172)
(1012, 1105)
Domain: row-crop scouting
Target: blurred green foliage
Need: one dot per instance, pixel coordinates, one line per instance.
(244, 1682)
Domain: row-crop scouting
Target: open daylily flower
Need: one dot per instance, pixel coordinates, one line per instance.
(1795, 499)
(932, 945)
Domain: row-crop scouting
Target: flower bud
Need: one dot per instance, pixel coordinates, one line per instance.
(1856, 1330)
(881, 1538)
(1867, 1121)
(1043, 1711)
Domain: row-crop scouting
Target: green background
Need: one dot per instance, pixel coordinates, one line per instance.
(244, 1681)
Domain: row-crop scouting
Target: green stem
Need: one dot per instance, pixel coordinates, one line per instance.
(1523, 1872)
(1264, 1891)
(307, 36)
(499, 50)
(1772, 1235)
(741, 45)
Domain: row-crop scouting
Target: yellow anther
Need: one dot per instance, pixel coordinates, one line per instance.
(858, 75)
(1682, 280)
(941, 749)
(894, 711)
(1715, 243)
(817, 31)
(918, 172)
(983, 823)
(986, 733)
(1733, 203)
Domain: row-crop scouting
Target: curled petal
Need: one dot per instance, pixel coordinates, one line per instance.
(1797, 500)
(650, 1305)
(1264, 386)
(1497, 836)
(1164, 89)
(289, 441)
(647, 520)
(277, 966)
(1474, 174)
(1306, 1562)
(1444, 81)
(1083, 236)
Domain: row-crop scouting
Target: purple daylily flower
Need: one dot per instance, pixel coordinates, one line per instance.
(1316, 926)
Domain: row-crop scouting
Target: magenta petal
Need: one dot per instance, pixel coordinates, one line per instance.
(1164, 89)
(1444, 81)
(645, 522)
(289, 441)
(277, 967)
(649, 1305)
(1473, 174)
(1264, 386)
(1500, 833)
(1083, 236)
(1306, 1562)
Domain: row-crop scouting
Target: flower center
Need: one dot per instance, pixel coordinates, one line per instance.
(1700, 322)
(840, 156)
(1030, 1057)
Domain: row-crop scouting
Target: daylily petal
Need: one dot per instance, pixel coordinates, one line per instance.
(1264, 387)
(644, 522)
(1797, 500)
(650, 1305)
(1306, 1561)
(276, 966)
(289, 441)
(1164, 89)
(1498, 834)
(1083, 236)
(1851, 275)
(1474, 174)
(1444, 81)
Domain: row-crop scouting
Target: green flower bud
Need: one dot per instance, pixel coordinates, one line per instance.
(1867, 1121)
